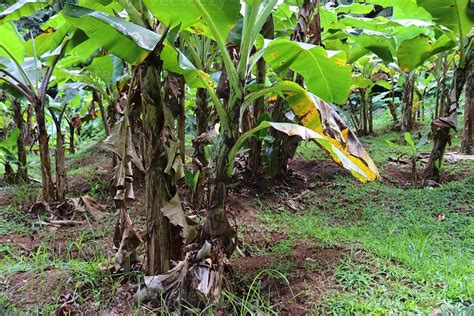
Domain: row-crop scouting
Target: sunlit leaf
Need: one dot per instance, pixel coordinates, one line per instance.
(22, 8)
(124, 39)
(450, 13)
(326, 74)
(11, 40)
(224, 14)
(414, 52)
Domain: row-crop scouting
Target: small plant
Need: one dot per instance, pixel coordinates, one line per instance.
(254, 301)
(413, 150)
(191, 178)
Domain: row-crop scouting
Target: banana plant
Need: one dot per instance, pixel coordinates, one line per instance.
(30, 77)
(409, 39)
(312, 62)
(8, 146)
(455, 15)
(139, 44)
(365, 79)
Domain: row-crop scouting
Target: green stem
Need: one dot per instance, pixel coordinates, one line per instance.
(191, 47)
(240, 141)
(20, 68)
(251, 12)
(230, 67)
(224, 118)
(279, 87)
(262, 18)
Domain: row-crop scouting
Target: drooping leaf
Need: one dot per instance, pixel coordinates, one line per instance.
(22, 8)
(327, 129)
(450, 13)
(385, 84)
(9, 144)
(174, 212)
(355, 8)
(186, 13)
(404, 9)
(79, 53)
(102, 67)
(378, 43)
(47, 41)
(327, 17)
(326, 75)
(414, 52)
(409, 140)
(379, 24)
(12, 41)
(284, 19)
(129, 41)
(176, 61)
(31, 67)
(359, 81)
(407, 32)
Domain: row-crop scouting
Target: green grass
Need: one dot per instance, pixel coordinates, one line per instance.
(402, 259)
(399, 257)
(78, 263)
(400, 232)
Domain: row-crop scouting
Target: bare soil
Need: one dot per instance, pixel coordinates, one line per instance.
(400, 176)
(311, 272)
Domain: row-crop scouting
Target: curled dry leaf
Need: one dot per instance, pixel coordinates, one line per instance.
(199, 278)
(125, 238)
(174, 212)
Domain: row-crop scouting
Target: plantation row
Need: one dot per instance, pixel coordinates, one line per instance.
(247, 79)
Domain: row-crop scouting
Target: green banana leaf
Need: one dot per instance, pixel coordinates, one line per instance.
(186, 14)
(414, 52)
(404, 9)
(126, 40)
(21, 9)
(102, 68)
(326, 73)
(450, 13)
(12, 42)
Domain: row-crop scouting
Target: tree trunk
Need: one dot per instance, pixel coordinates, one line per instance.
(9, 176)
(258, 110)
(255, 159)
(72, 148)
(199, 156)
(22, 172)
(371, 115)
(438, 99)
(443, 88)
(43, 140)
(96, 97)
(393, 111)
(29, 128)
(407, 109)
(164, 242)
(61, 184)
(441, 128)
(306, 29)
(467, 143)
(202, 111)
(217, 223)
(284, 147)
